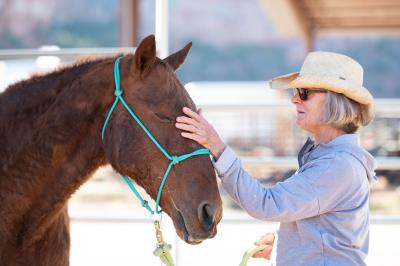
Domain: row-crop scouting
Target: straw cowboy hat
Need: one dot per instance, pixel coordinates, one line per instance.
(330, 71)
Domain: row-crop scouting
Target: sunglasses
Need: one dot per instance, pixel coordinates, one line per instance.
(303, 93)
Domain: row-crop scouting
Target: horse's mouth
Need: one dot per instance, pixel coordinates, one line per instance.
(186, 235)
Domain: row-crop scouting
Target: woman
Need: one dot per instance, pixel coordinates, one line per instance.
(323, 208)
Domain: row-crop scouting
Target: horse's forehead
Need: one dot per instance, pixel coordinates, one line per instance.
(163, 85)
(179, 90)
(167, 78)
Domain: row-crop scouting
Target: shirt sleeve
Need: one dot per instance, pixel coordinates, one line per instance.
(293, 199)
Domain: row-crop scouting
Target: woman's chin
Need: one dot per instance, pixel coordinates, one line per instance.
(301, 124)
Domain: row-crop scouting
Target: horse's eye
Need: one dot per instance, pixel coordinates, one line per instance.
(164, 118)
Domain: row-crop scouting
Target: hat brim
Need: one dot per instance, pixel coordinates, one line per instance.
(282, 82)
(353, 91)
(350, 90)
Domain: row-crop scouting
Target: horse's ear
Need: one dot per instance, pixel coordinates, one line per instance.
(176, 60)
(145, 55)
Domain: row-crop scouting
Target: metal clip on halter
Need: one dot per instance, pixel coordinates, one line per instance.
(162, 248)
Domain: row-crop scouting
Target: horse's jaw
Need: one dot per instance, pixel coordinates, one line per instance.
(183, 232)
(193, 237)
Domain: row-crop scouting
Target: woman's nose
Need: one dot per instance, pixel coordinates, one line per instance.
(295, 98)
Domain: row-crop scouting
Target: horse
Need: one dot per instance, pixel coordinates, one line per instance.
(51, 143)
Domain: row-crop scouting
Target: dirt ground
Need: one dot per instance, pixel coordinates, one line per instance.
(109, 227)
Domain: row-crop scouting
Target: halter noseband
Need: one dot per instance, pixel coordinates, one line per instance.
(173, 159)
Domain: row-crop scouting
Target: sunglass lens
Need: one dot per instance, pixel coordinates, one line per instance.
(302, 94)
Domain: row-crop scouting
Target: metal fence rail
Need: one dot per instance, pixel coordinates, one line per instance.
(387, 113)
(238, 219)
(382, 105)
(384, 163)
(64, 54)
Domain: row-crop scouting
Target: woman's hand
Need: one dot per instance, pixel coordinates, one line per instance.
(197, 128)
(267, 239)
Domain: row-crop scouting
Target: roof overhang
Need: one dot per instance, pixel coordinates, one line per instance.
(309, 18)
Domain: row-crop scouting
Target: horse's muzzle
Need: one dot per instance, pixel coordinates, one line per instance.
(208, 220)
(207, 216)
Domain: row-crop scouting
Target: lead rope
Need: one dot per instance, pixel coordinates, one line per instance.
(162, 248)
(250, 252)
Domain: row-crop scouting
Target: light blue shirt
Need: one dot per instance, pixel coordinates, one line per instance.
(323, 208)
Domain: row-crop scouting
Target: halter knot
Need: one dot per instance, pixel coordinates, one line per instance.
(175, 160)
(118, 93)
(145, 203)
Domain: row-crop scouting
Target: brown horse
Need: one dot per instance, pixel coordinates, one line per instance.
(50, 144)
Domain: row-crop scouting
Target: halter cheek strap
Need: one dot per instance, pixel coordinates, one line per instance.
(173, 159)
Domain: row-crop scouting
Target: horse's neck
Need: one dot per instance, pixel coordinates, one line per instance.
(45, 156)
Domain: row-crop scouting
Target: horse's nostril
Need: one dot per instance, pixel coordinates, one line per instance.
(206, 216)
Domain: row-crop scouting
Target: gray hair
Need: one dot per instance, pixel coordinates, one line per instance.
(344, 113)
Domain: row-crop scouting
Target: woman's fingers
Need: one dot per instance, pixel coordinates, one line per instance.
(197, 128)
(189, 112)
(199, 139)
(267, 239)
(187, 120)
(266, 253)
(187, 127)
(192, 122)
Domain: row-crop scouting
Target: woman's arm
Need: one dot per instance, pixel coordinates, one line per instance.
(285, 201)
(317, 189)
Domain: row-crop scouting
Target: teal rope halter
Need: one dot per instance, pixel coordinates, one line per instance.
(174, 159)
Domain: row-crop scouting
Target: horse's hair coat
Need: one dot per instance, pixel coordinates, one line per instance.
(50, 144)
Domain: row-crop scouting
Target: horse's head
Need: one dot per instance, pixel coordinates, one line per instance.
(190, 195)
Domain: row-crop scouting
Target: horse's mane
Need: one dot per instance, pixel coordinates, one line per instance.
(41, 89)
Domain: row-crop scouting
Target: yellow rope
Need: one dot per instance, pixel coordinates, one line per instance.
(162, 248)
(250, 252)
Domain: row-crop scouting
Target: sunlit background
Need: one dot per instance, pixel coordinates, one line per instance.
(238, 45)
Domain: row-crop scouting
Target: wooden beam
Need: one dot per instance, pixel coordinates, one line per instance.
(355, 32)
(343, 13)
(129, 23)
(370, 23)
(303, 17)
(289, 19)
(352, 4)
